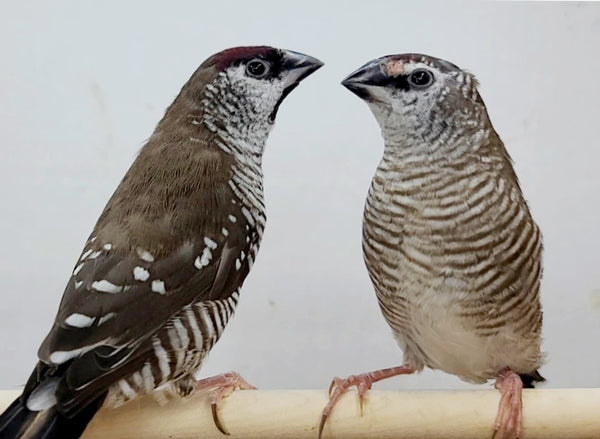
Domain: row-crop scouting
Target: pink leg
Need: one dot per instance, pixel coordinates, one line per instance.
(220, 386)
(510, 410)
(363, 382)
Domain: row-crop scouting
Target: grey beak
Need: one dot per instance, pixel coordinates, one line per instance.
(369, 75)
(298, 66)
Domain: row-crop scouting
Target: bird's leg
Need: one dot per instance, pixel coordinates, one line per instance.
(510, 410)
(363, 382)
(220, 386)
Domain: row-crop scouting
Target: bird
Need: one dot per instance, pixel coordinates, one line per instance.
(450, 245)
(160, 275)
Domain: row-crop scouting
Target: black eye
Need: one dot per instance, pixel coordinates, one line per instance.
(257, 68)
(421, 78)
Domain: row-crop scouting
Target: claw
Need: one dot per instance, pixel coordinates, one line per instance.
(219, 387)
(322, 425)
(217, 420)
(363, 382)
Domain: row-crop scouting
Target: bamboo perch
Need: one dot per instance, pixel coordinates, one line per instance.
(548, 413)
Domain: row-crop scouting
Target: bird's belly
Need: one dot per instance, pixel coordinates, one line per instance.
(440, 338)
(447, 345)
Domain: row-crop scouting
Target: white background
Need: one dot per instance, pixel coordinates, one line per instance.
(83, 83)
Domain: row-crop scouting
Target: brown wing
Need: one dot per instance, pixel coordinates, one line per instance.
(115, 302)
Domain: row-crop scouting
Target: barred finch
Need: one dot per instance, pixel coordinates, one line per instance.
(160, 275)
(450, 245)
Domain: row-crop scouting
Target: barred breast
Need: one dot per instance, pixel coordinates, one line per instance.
(455, 258)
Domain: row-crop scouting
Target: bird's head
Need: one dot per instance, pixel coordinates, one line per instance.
(235, 95)
(248, 84)
(416, 96)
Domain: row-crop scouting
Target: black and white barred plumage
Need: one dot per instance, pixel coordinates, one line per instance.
(160, 275)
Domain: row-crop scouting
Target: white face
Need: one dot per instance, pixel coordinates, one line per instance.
(241, 102)
(415, 97)
(413, 92)
(260, 93)
(253, 88)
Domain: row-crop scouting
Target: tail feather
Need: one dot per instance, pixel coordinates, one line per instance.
(18, 422)
(529, 379)
(13, 419)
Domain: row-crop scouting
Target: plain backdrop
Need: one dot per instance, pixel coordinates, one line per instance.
(82, 85)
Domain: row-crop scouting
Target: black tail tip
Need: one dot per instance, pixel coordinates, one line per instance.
(529, 379)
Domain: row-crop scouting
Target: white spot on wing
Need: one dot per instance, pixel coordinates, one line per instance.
(106, 317)
(158, 286)
(224, 231)
(141, 274)
(77, 269)
(44, 395)
(59, 357)
(210, 243)
(238, 264)
(105, 286)
(77, 320)
(232, 218)
(78, 284)
(107, 246)
(85, 255)
(204, 260)
(145, 255)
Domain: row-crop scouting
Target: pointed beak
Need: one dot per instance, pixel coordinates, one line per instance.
(370, 75)
(298, 66)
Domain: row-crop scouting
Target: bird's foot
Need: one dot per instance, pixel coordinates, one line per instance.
(363, 382)
(508, 424)
(220, 386)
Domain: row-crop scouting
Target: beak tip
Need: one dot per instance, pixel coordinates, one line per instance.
(316, 63)
(365, 78)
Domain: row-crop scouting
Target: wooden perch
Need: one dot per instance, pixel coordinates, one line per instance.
(548, 413)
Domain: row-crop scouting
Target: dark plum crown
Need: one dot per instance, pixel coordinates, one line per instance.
(228, 57)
